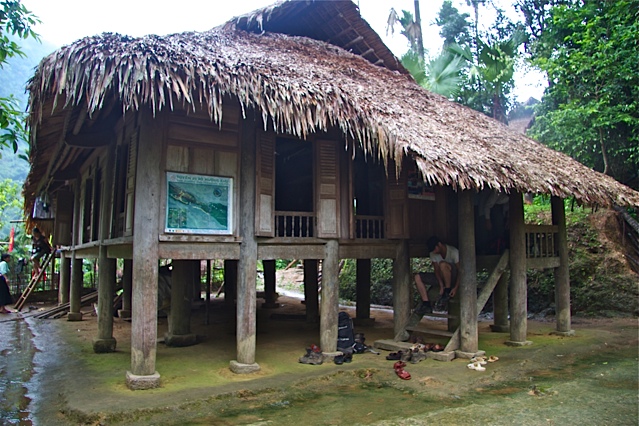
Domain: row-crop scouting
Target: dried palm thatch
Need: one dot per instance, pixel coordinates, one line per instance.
(301, 86)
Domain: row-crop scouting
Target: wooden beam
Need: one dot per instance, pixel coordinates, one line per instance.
(330, 297)
(518, 289)
(363, 289)
(401, 287)
(469, 339)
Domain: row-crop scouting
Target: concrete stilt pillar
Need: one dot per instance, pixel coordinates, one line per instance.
(330, 297)
(75, 293)
(401, 290)
(562, 274)
(65, 278)
(105, 342)
(469, 338)
(500, 305)
(363, 292)
(270, 285)
(311, 290)
(127, 285)
(518, 289)
(179, 333)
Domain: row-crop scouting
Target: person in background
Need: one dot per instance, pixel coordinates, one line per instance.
(5, 294)
(445, 259)
(40, 248)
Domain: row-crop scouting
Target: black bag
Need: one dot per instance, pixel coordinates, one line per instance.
(345, 334)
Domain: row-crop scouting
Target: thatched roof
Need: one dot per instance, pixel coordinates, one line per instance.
(300, 85)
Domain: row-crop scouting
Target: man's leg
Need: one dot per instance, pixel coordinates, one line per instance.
(424, 307)
(446, 272)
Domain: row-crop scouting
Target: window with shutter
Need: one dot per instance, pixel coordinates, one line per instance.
(327, 184)
(265, 189)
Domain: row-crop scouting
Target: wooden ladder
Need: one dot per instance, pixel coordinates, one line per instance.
(34, 281)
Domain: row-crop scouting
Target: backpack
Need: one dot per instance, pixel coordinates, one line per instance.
(345, 334)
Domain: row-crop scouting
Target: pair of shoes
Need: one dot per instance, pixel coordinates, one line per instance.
(417, 355)
(476, 366)
(437, 347)
(423, 308)
(313, 356)
(399, 370)
(492, 358)
(478, 359)
(344, 358)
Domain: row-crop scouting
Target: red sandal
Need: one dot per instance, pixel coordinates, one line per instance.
(399, 370)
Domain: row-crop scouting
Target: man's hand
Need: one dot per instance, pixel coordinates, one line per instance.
(453, 292)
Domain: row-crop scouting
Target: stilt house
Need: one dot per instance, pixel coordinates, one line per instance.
(288, 133)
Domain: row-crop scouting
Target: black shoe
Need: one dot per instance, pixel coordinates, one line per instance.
(424, 308)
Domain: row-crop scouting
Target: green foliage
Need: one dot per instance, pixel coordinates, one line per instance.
(381, 281)
(16, 21)
(10, 204)
(591, 108)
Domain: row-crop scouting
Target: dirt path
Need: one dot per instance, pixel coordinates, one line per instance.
(587, 379)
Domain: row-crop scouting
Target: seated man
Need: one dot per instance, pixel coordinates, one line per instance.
(445, 259)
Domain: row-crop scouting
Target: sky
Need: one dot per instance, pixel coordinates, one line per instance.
(64, 21)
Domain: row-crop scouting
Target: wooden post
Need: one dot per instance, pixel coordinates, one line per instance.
(270, 285)
(500, 305)
(469, 342)
(179, 333)
(105, 342)
(247, 266)
(207, 302)
(127, 283)
(146, 223)
(518, 290)
(330, 297)
(77, 275)
(230, 281)
(311, 290)
(363, 289)
(401, 288)
(65, 278)
(562, 274)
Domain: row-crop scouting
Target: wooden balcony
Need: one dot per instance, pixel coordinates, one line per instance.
(294, 224)
(369, 227)
(541, 246)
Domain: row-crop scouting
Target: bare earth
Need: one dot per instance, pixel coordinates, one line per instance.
(587, 379)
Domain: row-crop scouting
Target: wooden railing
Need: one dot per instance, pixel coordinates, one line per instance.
(369, 227)
(294, 224)
(541, 241)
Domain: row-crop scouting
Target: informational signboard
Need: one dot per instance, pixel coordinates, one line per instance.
(198, 204)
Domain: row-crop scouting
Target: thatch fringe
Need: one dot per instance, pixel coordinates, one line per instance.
(301, 86)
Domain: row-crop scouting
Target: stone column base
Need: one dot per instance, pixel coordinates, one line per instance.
(74, 316)
(569, 333)
(103, 346)
(468, 355)
(180, 340)
(135, 382)
(124, 314)
(239, 368)
(500, 328)
(513, 343)
(270, 305)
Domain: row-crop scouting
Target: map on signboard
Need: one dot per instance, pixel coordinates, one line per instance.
(198, 204)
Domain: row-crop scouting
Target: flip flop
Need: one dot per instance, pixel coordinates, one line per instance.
(493, 358)
(394, 356)
(480, 360)
(399, 365)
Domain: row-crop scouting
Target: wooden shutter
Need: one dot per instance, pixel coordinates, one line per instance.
(327, 189)
(265, 185)
(63, 218)
(396, 204)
